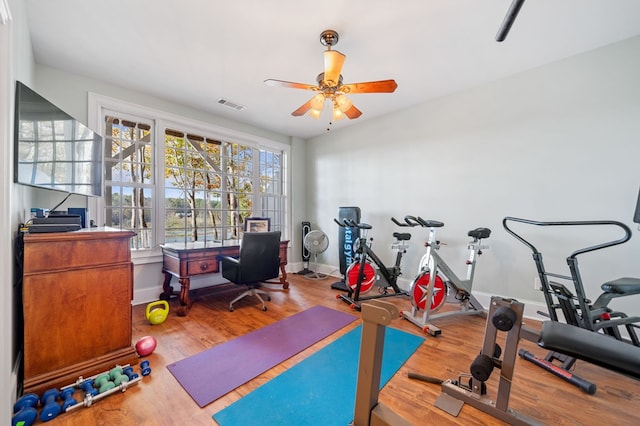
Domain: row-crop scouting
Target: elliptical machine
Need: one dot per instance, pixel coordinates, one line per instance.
(574, 305)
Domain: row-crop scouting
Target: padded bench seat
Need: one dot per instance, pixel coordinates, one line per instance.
(596, 348)
(623, 286)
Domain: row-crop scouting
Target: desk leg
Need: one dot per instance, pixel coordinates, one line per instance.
(185, 300)
(183, 294)
(283, 277)
(167, 290)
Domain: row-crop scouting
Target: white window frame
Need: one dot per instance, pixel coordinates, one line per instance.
(99, 105)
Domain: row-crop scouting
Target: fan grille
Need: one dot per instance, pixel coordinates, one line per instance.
(316, 242)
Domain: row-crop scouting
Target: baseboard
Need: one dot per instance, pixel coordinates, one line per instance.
(151, 294)
(531, 308)
(146, 295)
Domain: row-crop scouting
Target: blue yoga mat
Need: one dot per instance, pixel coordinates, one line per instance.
(319, 390)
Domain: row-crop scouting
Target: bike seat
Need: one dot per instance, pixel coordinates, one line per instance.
(480, 233)
(625, 286)
(402, 236)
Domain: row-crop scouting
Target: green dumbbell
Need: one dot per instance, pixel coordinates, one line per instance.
(118, 376)
(103, 383)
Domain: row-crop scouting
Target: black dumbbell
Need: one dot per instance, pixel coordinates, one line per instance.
(50, 406)
(144, 368)
(67, 398)
(24, 410)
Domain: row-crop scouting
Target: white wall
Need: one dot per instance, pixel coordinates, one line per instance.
(561, 142)
(7, 394)
(16, 61)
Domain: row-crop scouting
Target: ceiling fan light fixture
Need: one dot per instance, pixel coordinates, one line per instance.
(315, 113)
(343, 103)
(317, 102)
(337, 113)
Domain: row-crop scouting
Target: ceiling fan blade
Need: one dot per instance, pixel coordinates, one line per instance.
(382, 86)
(333, 61)
(353, 112)
(281, 83)
(303, 109)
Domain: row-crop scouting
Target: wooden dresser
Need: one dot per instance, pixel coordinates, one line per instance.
(77, 292)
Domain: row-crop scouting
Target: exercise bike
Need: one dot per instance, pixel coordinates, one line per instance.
(368, 271)
(436, 283)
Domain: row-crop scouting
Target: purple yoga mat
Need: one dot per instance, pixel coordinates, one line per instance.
(216, 371)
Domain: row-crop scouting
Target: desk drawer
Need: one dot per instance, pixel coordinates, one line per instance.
(205, 266)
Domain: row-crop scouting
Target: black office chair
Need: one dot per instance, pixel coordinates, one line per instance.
(259, 261)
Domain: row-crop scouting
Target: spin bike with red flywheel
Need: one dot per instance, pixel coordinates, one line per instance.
(368, 271)
(436, 283)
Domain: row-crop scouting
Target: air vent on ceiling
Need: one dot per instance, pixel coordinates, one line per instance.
(228, 103)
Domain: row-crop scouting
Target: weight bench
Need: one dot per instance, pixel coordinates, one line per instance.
(596, 348)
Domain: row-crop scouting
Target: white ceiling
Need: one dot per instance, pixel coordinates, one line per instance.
(195, 51)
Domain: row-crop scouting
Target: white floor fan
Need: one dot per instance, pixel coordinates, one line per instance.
(316, 242)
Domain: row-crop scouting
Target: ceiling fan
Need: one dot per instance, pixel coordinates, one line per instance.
(330, 87)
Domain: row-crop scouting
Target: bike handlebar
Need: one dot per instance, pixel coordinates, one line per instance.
(394, 220)
(349, 223)
(418, 221)
(611, 243)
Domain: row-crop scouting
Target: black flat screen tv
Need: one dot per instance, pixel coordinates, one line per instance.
(52, 149)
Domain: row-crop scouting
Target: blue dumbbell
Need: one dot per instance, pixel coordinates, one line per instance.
(50, 406)
(129, 372)
(144, 368)
(24, 410)
(67, 398)
(88, 388)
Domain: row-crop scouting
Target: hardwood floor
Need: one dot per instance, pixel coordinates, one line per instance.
(160, 400)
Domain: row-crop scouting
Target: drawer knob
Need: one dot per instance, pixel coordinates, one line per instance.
(204, 266)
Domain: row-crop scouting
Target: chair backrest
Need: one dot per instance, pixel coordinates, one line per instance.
(259, 256)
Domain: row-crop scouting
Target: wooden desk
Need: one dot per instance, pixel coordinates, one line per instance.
(184, 261)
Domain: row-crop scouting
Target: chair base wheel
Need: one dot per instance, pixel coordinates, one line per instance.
(230, 308)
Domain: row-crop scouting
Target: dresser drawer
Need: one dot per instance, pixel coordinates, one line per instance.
(204, 266)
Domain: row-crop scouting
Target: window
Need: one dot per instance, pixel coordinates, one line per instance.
(129, 183)
(211, 187)
(172, 182)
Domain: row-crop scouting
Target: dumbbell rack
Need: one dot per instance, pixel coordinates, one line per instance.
(118, 379)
